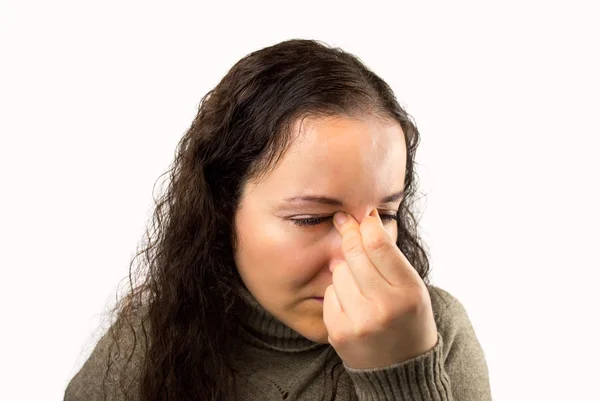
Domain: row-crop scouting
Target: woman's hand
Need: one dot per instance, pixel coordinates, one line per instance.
(378, 310)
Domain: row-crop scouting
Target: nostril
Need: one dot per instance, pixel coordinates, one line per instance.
(334, 264)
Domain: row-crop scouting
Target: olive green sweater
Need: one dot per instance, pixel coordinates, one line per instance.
(280, 364)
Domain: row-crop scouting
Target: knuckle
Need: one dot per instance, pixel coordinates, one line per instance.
(365, 329)
(386, 315)
(338, 338)
(415, 303)
(377, 243)
(360, 332)
(352, 246)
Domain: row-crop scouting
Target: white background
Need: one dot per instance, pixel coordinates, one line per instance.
(95, 95)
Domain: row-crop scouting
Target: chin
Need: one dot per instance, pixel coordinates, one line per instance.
(322, 340)
(317, 334)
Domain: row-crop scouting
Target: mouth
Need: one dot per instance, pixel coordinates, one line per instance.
(318, 299)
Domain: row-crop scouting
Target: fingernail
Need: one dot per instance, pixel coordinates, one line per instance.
(333, 265)
(340, 218)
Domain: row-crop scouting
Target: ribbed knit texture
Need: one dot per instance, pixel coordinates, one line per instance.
(278, 363)
(270, 332)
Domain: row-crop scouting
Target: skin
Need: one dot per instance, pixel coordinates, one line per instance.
(284, 266)
(377, 311)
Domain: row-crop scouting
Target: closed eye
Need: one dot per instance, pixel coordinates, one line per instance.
(313, 221)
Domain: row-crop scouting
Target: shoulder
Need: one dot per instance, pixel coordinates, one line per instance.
(442, 301)
(451, 318)
(114, 365)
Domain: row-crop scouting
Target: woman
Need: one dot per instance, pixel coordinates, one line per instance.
(251, 290)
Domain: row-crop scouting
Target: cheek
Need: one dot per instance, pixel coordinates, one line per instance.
(301, 265)
(272, 254)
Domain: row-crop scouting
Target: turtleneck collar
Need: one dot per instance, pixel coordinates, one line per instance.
(261, 328)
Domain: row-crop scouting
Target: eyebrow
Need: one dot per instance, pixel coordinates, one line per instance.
(335, 202)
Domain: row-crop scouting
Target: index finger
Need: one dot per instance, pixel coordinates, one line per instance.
(389, 260)
(367, 276)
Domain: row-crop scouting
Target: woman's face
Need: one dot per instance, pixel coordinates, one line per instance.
(284, 264)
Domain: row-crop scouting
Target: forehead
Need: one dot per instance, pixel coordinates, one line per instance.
(343, 157)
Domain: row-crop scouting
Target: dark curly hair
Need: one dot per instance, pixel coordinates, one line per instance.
(184, 290)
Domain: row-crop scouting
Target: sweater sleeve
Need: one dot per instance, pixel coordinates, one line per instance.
(454, 370)
(112, 370)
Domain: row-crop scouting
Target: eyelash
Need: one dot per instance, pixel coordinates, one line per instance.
(313, 221)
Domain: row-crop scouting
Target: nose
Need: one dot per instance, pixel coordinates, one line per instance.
(333, 264)
(337, 253)
(370, 211)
